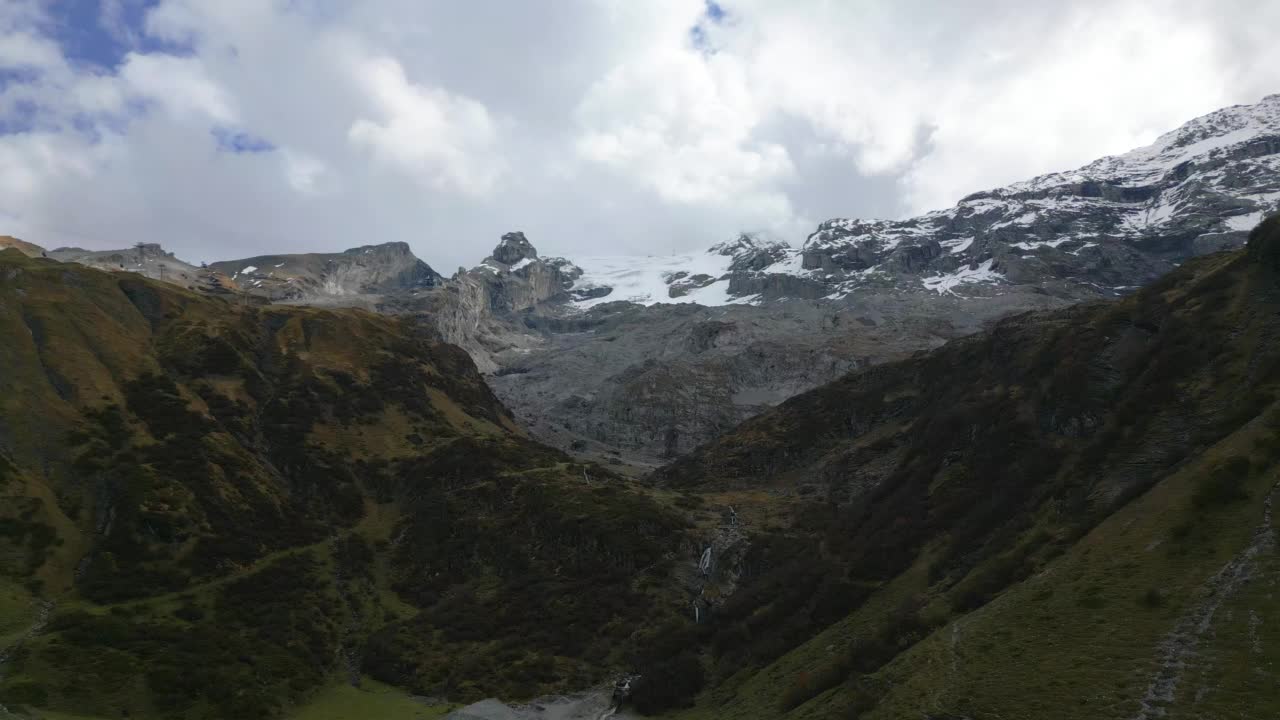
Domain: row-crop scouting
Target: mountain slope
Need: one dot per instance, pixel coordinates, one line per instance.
(26, 248)
(1105, 228)
(149, 260)
(282, 495)
(584, 352)
(609, 367)
(332, 278)
(1067, 516)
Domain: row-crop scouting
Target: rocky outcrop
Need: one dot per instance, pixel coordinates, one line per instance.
(514, 248)
(149, 260)
(479, 309)
(369, 270)
(643, 384)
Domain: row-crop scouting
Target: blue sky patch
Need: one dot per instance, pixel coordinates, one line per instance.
(240, 142)
(714, 14)
(10, 76)
(19, 117)
(101, 33)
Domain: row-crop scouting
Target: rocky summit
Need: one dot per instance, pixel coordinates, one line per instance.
(348, 277)
(1102, 229)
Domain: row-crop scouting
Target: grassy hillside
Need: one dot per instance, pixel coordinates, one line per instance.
(279, 497)
(1069, 516)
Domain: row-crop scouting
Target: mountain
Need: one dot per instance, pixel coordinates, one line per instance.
(996, 490)
(613, 368)
(26, 248)
(215, 509)
(480, 309)
(149, 260)
(341, 278)
(593, 356)
(360, 276)
(1068, 516)
(1112, 225)
(631, 384)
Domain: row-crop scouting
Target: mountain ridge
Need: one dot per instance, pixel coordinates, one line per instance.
(284, 495)
(1073, 503)
(581, 348)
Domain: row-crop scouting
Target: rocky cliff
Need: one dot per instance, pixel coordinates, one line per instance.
(480, 309)
(341, 278)
(614, 366)
(149, 260)
(645, 384)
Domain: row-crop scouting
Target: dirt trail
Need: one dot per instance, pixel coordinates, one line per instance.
(1178, 650)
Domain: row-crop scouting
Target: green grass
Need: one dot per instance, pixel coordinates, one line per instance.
(1078, 639)
(372, 700)
(16, 610)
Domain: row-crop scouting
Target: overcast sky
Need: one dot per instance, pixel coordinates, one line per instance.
(228, 128)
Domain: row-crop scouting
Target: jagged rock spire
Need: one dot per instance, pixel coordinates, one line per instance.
(514, 248)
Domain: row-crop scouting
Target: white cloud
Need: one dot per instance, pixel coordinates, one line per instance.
(181, 85)
(24, 50)
(306, 174)
(29, 165)
(445, 140)
(1111, 80)
(681, 124)
(585, 122)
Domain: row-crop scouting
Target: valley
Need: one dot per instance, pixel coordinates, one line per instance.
(1017, 458)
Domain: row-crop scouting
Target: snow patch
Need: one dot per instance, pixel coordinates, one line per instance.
(957, 245)
(944, 284)
(1245, 222)
(647, 280)
(792, 264)
(1040, 243)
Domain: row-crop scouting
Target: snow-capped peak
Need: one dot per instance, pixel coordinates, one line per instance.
(1117, 222)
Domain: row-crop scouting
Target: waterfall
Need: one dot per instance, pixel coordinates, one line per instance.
(704, 565)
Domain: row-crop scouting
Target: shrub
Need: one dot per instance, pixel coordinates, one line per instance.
(24, 692)
(7, 470)
(807, 686)
(668, 684)
(1152, 598)
(1223, 485)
